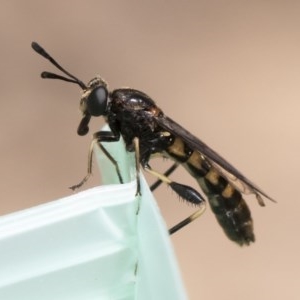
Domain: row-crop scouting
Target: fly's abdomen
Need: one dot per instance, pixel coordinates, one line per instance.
(226, 202)
(229, 207)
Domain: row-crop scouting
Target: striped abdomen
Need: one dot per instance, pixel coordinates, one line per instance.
(226, 202)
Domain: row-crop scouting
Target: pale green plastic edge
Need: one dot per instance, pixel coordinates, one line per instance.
(91, 245)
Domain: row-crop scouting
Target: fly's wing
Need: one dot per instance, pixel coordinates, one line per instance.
(238, 180)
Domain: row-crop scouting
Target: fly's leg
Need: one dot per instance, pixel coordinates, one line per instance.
(157, 183)
(89, 168)
(185, 192)
(188, 220)
(98, 137)
(136, 145)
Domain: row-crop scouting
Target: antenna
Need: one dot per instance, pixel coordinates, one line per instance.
(37, 48)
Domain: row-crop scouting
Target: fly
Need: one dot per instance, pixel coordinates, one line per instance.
(148, 132)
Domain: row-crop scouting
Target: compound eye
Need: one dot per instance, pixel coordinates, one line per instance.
(97, 101)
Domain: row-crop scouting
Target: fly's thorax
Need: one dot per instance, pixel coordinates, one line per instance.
(131, 100)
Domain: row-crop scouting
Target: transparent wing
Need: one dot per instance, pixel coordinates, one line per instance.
(235, 177)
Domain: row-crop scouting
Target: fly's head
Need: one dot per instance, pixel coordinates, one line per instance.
(93, 103)
(95, 96)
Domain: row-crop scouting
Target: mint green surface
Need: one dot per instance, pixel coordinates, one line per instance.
(91, 245)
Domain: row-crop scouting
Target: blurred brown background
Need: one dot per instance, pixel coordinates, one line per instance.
(229, 71)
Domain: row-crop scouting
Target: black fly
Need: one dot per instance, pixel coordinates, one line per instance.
(148, 132)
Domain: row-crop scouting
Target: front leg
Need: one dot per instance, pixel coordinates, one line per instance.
(98, 137)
